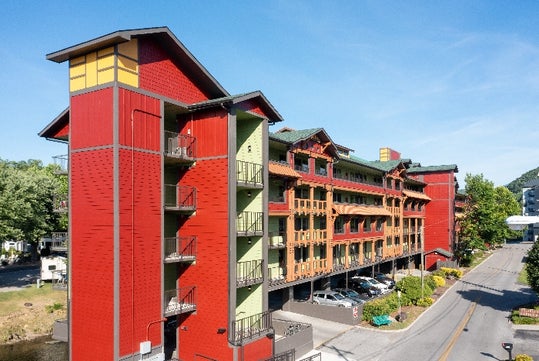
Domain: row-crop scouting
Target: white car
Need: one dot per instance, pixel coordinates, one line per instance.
(331, 298)
(381, 286)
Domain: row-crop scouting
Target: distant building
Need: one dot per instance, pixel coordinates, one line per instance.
(530, 207)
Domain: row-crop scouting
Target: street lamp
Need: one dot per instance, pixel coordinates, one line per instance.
(508, 347)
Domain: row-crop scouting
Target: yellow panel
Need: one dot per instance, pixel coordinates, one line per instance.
(105, 62)
(105, 52)
(384, 154)
(77, 70)
(129, 49)
(127, 78)
(91, 69)
(105, 76)
(127, 64)
(77, 84)
(77, 61)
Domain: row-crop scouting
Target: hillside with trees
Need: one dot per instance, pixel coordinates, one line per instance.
(516, 186)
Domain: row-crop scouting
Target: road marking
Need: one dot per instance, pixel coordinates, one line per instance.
(457, 333)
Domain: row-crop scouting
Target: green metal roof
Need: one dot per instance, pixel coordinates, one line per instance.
(434, 168)
(294, 136)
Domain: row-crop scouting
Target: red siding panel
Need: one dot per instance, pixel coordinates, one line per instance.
(210, 273)
(91, 119)
(159, 74)
(140, 248)
(210, 128)
(92, 255)
(139, 120)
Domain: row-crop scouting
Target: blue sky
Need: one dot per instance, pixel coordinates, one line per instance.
(442, 82)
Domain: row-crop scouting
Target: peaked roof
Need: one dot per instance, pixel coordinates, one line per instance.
(55, 125)
(292, 136)
(273, 114)
(163, 36)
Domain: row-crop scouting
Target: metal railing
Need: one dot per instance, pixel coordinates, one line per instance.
(180, 146)
(180, 197)
(180, 249)
(62, 161)
(180, 300)
(249, 173)
(249, 272)
(249, 223)
(250, 327)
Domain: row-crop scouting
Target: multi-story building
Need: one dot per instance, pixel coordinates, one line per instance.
(530, 207)
(167, 236)
(186, 214)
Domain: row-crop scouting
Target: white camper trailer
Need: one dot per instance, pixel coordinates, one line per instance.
(53, 268)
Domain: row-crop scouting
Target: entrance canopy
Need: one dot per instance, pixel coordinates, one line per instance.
(521, 222)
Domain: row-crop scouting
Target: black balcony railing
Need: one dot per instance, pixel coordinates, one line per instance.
(180, 249)
(59, 241)
(249, 174)
(62, 161)
(179, 301)
(249, 223)
(249, 272)
(180, 147)
(250, 328)
(180, 198)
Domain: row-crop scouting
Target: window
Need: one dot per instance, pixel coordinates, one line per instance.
(301, 164)
(301, 223)
(367, 224)
(379, 224)
(354, 225)
(337, 197)
(339, 225)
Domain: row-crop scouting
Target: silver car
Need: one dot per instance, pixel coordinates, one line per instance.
(331, 298)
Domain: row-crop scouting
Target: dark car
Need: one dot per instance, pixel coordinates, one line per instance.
(380, 277)
(351, 294)
(365, 287)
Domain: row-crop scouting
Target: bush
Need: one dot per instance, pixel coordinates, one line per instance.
(439, 281)
(523, 357)
(377, 307)
(54, 307)
(411, 287)
(429, 281)
(425, 302)
(452, 272)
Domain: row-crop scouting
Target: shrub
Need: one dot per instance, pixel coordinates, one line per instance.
(429, 281)
(54, 307)
(439, 281)
(523, 357)
(425, 302)
(411, 287)
(452, 272)
(376, 308)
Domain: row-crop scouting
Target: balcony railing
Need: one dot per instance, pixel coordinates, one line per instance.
(320, 265)
(62, 161)
(179, 148)
(180, 300)
(249, 272)
(249, 174)
(276, 275)
(302, 205)
(180, 198)
(302, 236)
(277, 240)
(302, 269)
(180, 249)
(356, 179)
(250, 328)
(59, 242)
(249, 224)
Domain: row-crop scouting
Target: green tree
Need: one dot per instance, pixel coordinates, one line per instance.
(27, 190)
(485, 212)
(532, 267)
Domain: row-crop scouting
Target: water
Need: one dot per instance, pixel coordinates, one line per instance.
(40, 349)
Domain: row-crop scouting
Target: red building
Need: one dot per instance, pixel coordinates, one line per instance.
(167, 234)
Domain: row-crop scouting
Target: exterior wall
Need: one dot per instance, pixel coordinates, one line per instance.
(161, 75)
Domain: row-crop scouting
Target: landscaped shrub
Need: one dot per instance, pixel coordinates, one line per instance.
(522, 320)
(411, 287)
(452, 272)
(523, 357)
(429, 281)
(377, 307)
(393, 300)
(425, 302)
(439, 281)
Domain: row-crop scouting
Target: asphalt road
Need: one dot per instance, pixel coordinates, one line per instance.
(469, 322)
(16, 277)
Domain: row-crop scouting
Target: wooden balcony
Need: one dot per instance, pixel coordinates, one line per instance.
(180, 249)
(181, 199)
(250, 328)
(181, 300)
(179, 148)
(249, 273)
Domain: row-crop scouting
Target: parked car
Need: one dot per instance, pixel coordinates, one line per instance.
(351, 294)
(381, 286)
(331, 298)
(364, 287)
(380, 277)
